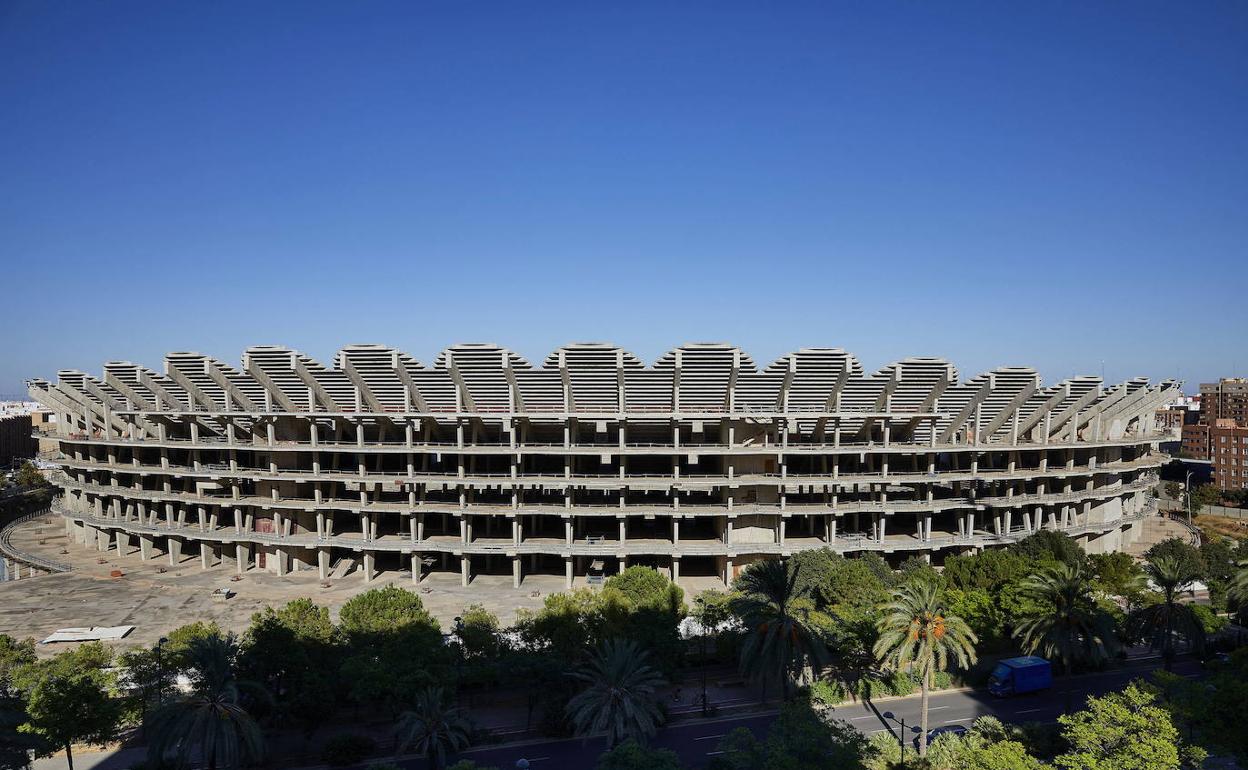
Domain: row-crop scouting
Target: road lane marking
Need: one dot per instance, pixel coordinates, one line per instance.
(709, 737)
(714, 753)
(1029, 711)
(938, 708)
(859, 719)
(955, 721)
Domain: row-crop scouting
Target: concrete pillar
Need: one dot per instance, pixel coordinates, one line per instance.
(465, 569)
(204, 559)
(623, 529)
(728, 571)
(145, 547)
(567, 570)
(370, 566)
(175, 550)
(242, 557)
(567, 530)
(515, 572)
(676, 570)
(283, 561)
(416, 568)
(675, 531)
(322, 563)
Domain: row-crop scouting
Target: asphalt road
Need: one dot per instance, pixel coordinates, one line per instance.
(696, 743)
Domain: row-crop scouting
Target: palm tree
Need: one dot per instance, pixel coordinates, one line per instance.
(432, 728)
(1160, 623)
(918, 633)
(621, 698)
(1239, 586)
(779, 643)
(211, 724)
(1068, 626)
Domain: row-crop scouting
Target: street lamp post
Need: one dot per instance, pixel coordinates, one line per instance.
(459, 660)
(1187, 487)
(901, 735)
(160, 672)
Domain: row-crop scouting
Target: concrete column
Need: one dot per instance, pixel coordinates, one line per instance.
(782, 530)
(515, 572)
(370, 566)
(567, 570)
(567, 529)
(322, 563)
(728, 571)
(242, 557)
(883, 524)
(623, 563)
(283, 561)
(675, 531)
(416, 568)
(465, 569)
(204, 558)
(623, 529)
(175, 550)
(676, 570)
(145, 547)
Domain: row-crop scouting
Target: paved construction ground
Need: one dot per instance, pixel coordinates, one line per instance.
(156, 602)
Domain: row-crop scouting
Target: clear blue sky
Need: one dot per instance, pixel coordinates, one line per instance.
(1052, 184)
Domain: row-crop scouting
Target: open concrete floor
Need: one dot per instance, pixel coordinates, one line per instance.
(156, 601)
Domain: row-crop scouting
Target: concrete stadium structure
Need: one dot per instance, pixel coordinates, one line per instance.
(486, 464)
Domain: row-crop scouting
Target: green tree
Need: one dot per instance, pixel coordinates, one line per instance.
(780, 644)
(29, 477)
(1049, 545)
(620, 697)
(799, 739)
(918, 634)
(1115, 573)
(382, 610)
(987, 570)
(631, 755)
(1239, 584)
(645, 587)
(15, 746)
(1186, 555)
(394, 647)
(433, 728)
(69, 699)
(211, 724)
(1168, 619)
(1067, 626)
(292, 652)
(1122, 731)
(711, 609)
(1204, 495)
(1218, 555)
(149, 674)
(479, 633)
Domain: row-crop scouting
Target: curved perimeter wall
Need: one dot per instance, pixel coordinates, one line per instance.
(484, 463)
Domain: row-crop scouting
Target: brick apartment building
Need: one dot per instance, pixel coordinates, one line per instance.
(15, 438)
(1221, 435)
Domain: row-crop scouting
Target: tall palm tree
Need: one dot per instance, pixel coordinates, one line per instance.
(1239, 585)
(779, 643)
(211, 724)
(1067, 626)
(918, 633)
(433, 728)
(1160, 623)
(620, 699)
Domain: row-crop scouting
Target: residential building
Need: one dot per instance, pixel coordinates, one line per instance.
(1228, 443)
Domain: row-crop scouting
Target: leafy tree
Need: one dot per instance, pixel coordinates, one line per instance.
(69, 700)
(479, 633)
(780, 644)
(433, 728)
(620, 698)
(567, 624)
(1123, 731)
(1218, 555)
(15, 746)
(1214, 708)
(918, 633)
(630, 755)
(1049, 545)
(29, 477)
(987, 570)
(178, 641)
(1115, 573)
(1204, 495)
(1187, 556)
(799, 739)
(1068, 626)
(382, 610)
(1239, 584)
(646, 587)
(1174, 490)
(981, 612)
(292, 652)
(150, 675)
(394, 647)
(1162, 622)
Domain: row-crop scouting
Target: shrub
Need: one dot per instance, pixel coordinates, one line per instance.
(829, 692)
(348, 749)
(1209, 621)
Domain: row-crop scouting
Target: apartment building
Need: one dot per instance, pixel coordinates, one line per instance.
(483, 462)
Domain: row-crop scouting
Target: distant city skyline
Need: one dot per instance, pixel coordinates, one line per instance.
(1057, 186)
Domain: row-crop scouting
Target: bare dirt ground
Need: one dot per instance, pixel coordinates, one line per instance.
(156, 602)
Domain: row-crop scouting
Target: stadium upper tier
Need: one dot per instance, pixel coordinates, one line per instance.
(703, 457)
